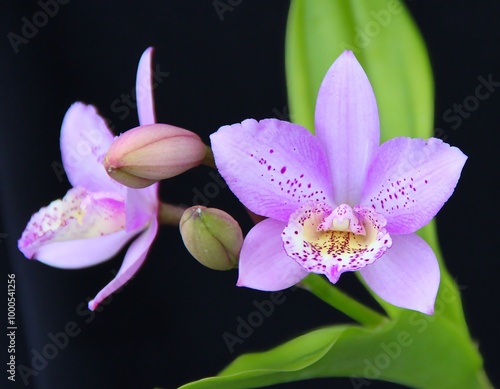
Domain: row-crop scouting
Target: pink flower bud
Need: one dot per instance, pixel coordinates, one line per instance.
(146, 154)
(212, 236)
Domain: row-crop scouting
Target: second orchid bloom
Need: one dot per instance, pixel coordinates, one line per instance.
(98, 216)
(339, 201)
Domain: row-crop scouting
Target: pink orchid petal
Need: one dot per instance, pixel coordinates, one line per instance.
(81, 230)
(144, 89)
(264, 264)
(409, 180)
(272, 166)
(407, 275)
(347, 125)
(79, 215)
(85, 139)
(141, 206)
(77, 254)
(135, 257)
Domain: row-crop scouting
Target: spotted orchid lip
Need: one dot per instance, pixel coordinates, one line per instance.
(333, 241)
(79, 215)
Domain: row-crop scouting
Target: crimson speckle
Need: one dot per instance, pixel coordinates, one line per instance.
(283, 169)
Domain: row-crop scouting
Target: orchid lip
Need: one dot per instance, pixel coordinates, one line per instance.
(332, 241)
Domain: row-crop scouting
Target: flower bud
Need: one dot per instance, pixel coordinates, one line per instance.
(146, 154)
(212, 236)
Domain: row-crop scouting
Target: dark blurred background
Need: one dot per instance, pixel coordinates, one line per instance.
(165, 328)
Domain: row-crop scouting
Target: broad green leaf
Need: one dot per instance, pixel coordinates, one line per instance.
(405, 351)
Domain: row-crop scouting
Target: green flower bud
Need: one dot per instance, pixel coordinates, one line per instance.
(212, 236)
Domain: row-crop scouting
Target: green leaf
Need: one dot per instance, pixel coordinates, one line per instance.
(387, 43)
(406, 351)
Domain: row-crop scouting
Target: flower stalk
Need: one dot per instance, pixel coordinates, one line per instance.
(333, 296)
(169, 214)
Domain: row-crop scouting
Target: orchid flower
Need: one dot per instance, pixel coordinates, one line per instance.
(98, 216)
(339, 201)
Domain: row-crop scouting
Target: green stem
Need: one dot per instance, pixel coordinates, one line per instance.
(209, 160)
(330, 294)
(170, 215)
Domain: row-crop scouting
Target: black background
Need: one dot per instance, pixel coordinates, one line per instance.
(165, 328)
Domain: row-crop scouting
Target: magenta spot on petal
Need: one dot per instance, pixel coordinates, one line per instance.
(269, 167)
(271, 151)
(283, 169)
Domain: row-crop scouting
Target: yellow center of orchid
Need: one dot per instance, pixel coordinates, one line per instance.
(331, 242)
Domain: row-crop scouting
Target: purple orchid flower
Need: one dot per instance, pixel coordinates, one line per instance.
(339, 201)
(98, 216)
